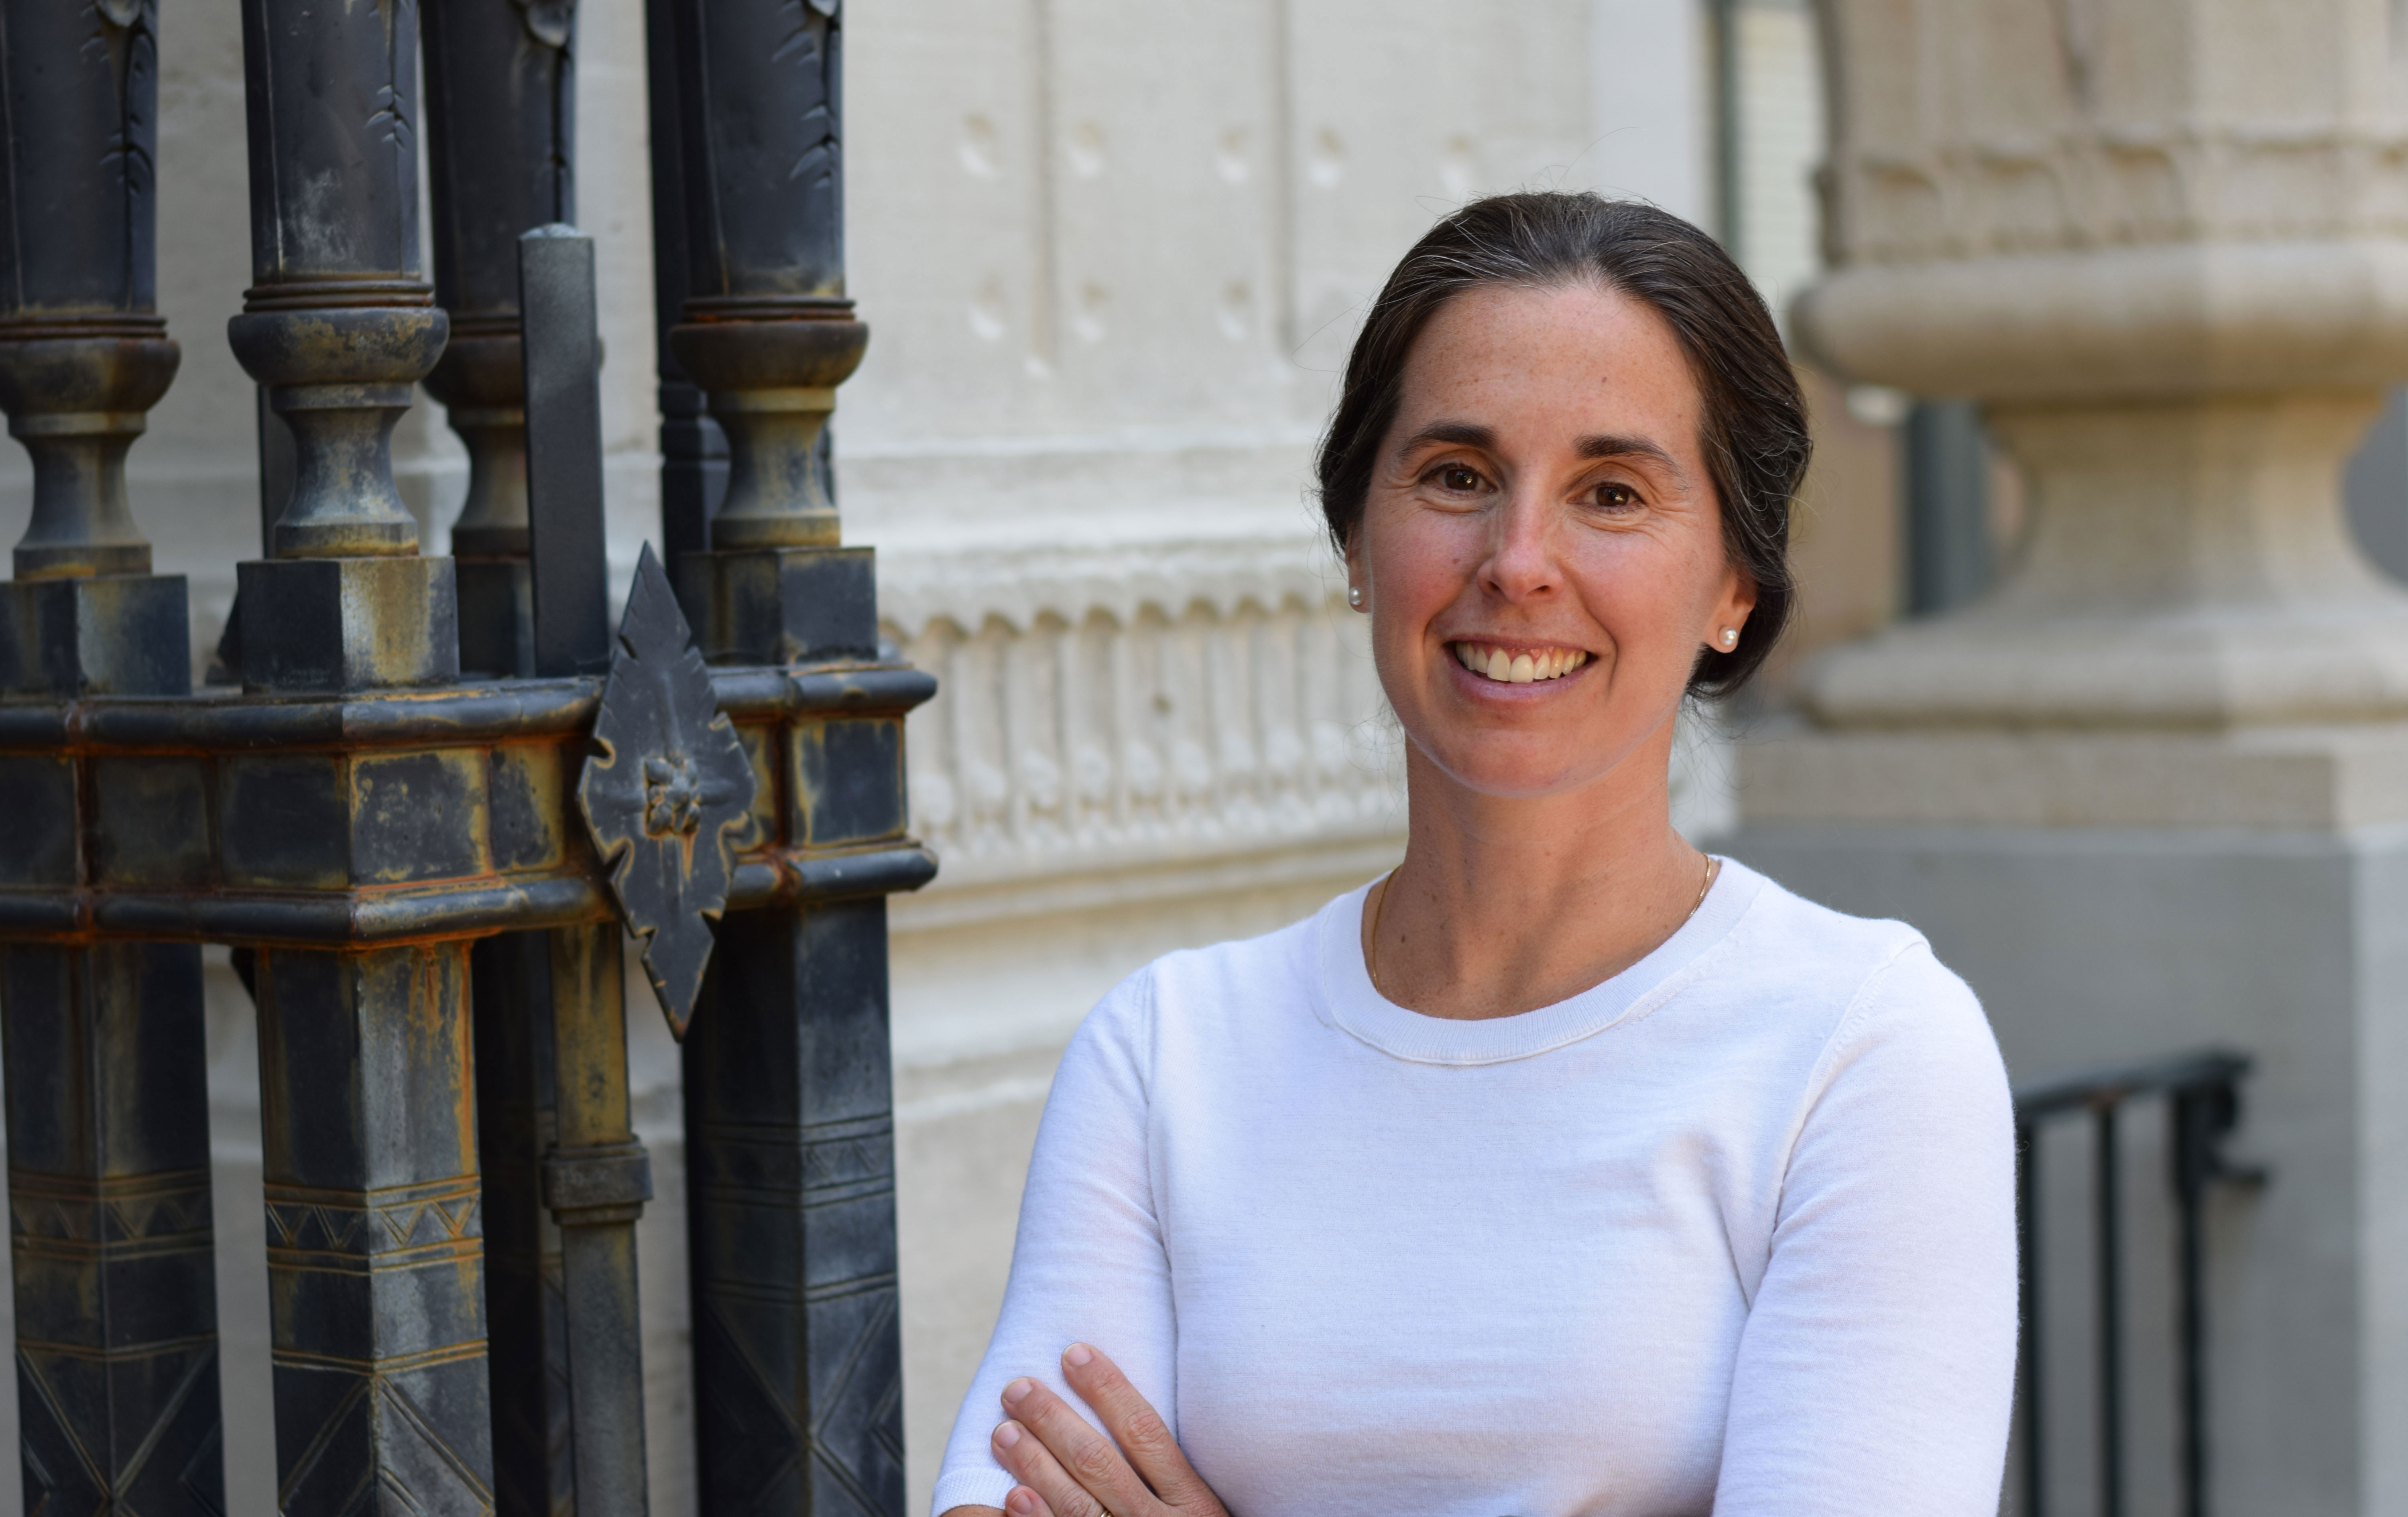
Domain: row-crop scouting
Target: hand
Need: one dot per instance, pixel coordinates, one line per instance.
(1066, 1468)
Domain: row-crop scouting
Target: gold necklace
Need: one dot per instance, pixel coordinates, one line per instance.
(1380, 909)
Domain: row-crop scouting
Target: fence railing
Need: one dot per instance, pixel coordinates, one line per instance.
(2200, 1092)
(441, 788)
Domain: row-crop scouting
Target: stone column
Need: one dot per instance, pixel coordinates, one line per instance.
(2146, 793)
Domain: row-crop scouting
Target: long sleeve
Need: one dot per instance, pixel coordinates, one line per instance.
(1876, 1366)
(1088, 1264)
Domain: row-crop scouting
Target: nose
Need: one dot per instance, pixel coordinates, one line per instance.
(1522, 553)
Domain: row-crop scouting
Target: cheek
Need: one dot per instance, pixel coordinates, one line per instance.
(1644, 590)
(1423, 562)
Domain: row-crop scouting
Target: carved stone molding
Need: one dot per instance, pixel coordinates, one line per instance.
(1111, 732)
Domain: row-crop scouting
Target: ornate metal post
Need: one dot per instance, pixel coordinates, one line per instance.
(535, 1471)
(790, 1147)
(374, 1253)
(109, 1179)
(501, 135)
(596, 1176)
(694, 452)
(339, 325)
(596, 1179)
(501, 131)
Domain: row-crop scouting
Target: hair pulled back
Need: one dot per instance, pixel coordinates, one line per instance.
(1753, 430)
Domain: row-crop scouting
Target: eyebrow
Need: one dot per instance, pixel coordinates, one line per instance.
(1597, 445)
(1458, 434)
(1620, 447)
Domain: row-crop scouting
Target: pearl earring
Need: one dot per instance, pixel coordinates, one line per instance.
(1355, 596)
(1730, 636)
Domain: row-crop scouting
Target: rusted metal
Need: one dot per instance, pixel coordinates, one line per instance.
(501, 135)
(107, 1112)
(533, 1461)
(374, 1253)
(438, 813)
(82, 352)
(596, 1179)
(375, 1247)
(788, 1101)
(768, 332)
(502, 105)
(108, 1196)
(407, 864)
(338, 323)
(789, 1206)
(667, 794)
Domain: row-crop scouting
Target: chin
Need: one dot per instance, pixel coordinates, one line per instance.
(1478, 766)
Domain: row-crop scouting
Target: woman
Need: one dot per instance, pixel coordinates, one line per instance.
(1567, 1169)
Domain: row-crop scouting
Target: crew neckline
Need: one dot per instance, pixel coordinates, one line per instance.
(1345, 998)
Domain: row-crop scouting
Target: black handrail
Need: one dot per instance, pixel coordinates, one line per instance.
(2201, 1090)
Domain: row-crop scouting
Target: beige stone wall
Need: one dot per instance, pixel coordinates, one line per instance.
(1111, 254)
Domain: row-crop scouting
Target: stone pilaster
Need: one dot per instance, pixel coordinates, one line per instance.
(2146, 794)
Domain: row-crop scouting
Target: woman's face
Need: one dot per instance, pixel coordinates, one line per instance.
(1540, 549)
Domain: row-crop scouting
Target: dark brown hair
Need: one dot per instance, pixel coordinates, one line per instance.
(1755, 435)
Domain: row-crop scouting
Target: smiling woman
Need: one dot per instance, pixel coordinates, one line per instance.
(1568, 1169)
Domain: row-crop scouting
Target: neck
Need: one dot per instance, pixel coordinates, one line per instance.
(1504, 905)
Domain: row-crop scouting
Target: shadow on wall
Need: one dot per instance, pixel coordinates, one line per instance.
(2375, 490)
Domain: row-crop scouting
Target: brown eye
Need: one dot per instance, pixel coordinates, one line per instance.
(1616, 497)
(1456, 478)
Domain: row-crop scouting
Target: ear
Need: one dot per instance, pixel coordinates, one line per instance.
(1732, 608)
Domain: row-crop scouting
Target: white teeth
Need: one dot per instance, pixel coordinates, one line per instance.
(1519, 669)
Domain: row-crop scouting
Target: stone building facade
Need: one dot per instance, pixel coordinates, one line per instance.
(1111, 254)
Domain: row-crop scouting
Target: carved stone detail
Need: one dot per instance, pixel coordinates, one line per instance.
(1100, 735)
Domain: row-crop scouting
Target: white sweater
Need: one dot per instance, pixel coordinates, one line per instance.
(1731, 1232)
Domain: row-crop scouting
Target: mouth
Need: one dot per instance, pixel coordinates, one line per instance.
(1517, 666)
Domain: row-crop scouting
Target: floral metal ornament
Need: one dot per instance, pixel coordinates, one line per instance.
(667, 792)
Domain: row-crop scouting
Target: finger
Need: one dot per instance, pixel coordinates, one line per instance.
(1144, 1437)
(1024, 1502)
(1086, 1455)
(1023, 1454)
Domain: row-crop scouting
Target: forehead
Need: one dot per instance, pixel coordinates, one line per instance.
(1574, 359)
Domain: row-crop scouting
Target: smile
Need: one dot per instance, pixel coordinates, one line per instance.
(1518, 666)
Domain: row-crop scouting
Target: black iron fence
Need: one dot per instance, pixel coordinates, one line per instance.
(2201, 1094)
(433, 791)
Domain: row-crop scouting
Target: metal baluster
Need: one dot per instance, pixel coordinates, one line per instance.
(501, 108)
(791, 1214)
(338, 326)
(83, 353)
(108, 1190)
(375, 1261)
(2191, 1147)
(375, 1255)
(107, 1111)
(789, 1101)
(2028, 1299)
(597, 1178)
(2199, 1117)
(501, 132)
(694, 452)
(2107, 1198)
(534, 1467)
(596, 1181)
